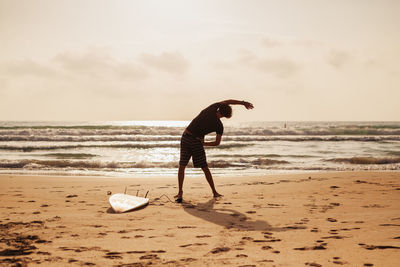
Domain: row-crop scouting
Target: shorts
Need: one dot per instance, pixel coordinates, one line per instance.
(191, 146)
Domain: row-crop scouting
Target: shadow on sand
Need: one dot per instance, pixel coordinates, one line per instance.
(229, 218)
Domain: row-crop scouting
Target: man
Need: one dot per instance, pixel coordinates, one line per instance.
(192, 141)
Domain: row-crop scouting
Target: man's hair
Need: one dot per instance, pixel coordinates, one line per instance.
(225, 110)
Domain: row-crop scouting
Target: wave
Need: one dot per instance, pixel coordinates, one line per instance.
(87, 166)
(41, 138)
(127, 146)
(263, 129)
(31, 164)
(112, 131)
(70, 155)
(393, 153)
(367, 160)
(315, 138)
(246, 155)
(45, 164)
(158, 138)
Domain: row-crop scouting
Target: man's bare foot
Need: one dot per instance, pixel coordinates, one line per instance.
(216, 194)
(178, 197)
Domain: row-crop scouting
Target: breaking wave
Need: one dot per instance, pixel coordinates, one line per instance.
(70, 155)
(32, 164)
(367, 160)
(158, 138)
(127, 146)
(266, 129)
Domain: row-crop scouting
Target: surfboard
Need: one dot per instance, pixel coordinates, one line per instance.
(123, 202)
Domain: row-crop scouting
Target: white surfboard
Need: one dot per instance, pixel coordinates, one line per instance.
(123, 202)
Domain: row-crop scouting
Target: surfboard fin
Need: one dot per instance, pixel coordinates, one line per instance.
(125, 190)
(146, 194)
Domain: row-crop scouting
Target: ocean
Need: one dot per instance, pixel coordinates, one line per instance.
(151, 148)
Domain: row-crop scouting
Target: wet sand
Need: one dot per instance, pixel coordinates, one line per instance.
(315, 219)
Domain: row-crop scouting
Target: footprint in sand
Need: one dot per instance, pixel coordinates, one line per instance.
(136, 252)
(195, 244)
(320, 246)
(113, 255)
(150, 257)
(313, 264)
(186, 227)
(389, 224)
(373, 247)
(266, 247)
(202, 236)
(220, 250)
(336, 260)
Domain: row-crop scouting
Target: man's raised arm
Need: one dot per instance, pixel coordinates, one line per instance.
(247, 105)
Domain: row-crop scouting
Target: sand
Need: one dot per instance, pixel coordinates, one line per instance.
(314, 219)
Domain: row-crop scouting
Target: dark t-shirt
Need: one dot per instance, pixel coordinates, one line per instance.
(206, 122)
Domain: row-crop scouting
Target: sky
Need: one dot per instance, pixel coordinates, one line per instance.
(299, 60)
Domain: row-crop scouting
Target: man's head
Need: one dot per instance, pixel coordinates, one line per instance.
(225, 110)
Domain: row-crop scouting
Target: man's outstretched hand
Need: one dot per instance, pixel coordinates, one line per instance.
(248, 105)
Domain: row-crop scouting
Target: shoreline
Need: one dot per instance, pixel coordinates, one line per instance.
(195, 175)
(303, 219)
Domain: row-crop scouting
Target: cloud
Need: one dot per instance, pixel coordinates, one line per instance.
(280, 67)
(27, 67)
(307, 43)
(338, 59)
(173, 63)
(100, 65)
(68, 65)
(271, 43)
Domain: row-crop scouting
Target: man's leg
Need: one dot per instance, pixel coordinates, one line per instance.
(210, 181)
(185, 155)
(181, 177)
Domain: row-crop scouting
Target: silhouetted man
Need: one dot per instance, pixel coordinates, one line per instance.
(192, 141)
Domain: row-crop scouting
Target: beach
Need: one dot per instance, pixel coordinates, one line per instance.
(306, 219)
